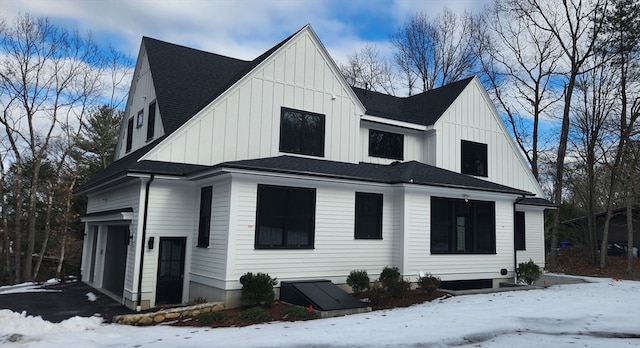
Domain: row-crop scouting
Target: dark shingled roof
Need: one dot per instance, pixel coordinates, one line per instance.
(406, 172)
(186, 79)
(541, 202)
(423, 109)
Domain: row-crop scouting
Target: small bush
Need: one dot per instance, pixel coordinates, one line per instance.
(358, 280)
(258, 288)
(211, 317)
(299, 312)
(429, 283)
(377, 293)
(529, 272)
(197, 300)
(393, 283)
(254, 314)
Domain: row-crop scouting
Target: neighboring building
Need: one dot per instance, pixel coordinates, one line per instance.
(276, 165)
(617, 228)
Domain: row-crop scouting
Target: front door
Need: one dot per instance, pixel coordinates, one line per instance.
(170, 270)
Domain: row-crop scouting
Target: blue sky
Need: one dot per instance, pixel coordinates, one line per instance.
(242, 28)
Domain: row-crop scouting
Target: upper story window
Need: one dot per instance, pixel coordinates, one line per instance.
(368, 216)
(386, 144)
(140, 119)
(474, 158)
(285, 217)
(302, 132)
(129, 134)
(151, 122)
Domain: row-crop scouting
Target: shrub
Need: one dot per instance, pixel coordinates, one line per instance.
(358, 280)
(299, 312)
(377, 293)
(529, 272)
(211, 317)
(429, 283)
(255, 314)
(389, 275)
(258, 288)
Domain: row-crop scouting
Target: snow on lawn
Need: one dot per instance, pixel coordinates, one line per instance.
(604, 313)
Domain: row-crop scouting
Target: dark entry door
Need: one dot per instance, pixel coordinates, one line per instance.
(115, 259)
(170, 271)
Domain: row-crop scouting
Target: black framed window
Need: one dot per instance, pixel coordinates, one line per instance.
(462, 226)
(151, 122)
(386, 144)
(285, 217)
(520, 231)
(368, 216)
(204, 223)
(474, 158)
(140, 119)
(302, 132)
(129, 134)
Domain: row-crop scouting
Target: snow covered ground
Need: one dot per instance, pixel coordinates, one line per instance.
(602, 313)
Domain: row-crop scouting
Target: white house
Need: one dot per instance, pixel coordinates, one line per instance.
(276, 165)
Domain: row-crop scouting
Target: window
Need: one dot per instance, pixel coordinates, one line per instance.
(129, 134)
(301, 132)
(204, 224)
(140, 118)
(368, 216)
(462, 227)
(285, 217)
(520, 231)
(151, 122)
(474, 158)
(386, 145)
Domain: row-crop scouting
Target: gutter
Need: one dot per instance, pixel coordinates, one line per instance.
(144, 238)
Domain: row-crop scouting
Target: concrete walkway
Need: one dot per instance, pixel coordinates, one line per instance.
(545, 280)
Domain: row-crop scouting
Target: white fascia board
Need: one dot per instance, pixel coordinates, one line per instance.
(401, 124)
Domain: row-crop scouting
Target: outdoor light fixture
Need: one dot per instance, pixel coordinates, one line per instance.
(466, 198)
(150, 243)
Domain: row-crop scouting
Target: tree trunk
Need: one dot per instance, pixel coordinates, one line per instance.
(629, 234)
(47, 233)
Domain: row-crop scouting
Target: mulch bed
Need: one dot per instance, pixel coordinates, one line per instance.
(571, 261)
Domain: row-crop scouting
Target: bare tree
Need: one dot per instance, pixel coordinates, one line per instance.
(48, 76)
(622, 42)
(575, 25)
(368, 69)
(520, 63)
(437, 51)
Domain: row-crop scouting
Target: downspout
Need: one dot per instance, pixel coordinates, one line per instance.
(515, 249)
(144, 238)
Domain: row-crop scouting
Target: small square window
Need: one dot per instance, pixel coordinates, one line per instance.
(474, 158)
(386, 144)
(140, 119)
(302, 132)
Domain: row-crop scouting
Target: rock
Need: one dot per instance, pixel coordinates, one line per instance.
(145, 321)
(172, 315)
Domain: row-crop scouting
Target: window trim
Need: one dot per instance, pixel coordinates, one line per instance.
(204, 218)
(471, 150)
(286, 215)
(140, 118)
(302, 140)
(383, 154)
(452, 224)
(379, 198)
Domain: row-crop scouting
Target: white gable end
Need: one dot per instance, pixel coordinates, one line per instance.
(244, 122)
(473, 117)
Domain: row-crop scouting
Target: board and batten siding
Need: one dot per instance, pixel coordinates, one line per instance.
(244, 122)
(208, 265)
(454, 266)
(141, 94)
(336, 253)
(471, 117)
(534, 241)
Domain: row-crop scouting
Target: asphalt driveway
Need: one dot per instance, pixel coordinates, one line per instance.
(63, 301)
